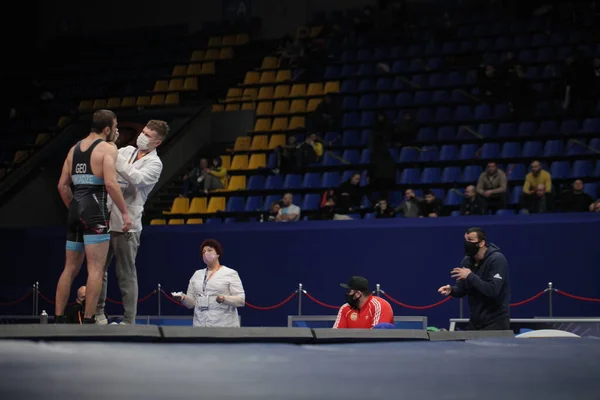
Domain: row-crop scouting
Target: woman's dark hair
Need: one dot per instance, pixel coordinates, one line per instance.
(212, 243)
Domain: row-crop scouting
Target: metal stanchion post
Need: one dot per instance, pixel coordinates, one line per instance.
(460, 310)
(158, 292)
(550, 290)
(300, 290)
(378, 290)
(33, 301)
(37, 298)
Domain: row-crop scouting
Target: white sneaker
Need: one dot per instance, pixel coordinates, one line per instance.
(124, 323)
(101, 320)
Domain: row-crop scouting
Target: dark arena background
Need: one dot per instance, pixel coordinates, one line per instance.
(405, 115)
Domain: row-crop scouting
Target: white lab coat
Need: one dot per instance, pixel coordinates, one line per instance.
(137, 179)
(225, 282)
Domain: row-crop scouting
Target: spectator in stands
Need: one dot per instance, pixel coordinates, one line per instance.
(431, 207)
(215, 292)
(348, 195)
(287, 156)
(575, 199)
(326, 116)
(216, 176)
(540, 202)
(193, 181)
(536, 177)
(382, 130)
(311, 151)
(274, 211)
(407, 130)
(411, 206)
(290, 212)
(362, 310)
(595, 206)
(472, 203)
(491, 185)
(578, 80)
(383, 211)
(74, 313)
(491, 85)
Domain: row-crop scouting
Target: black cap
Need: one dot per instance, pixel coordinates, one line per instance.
(356, 283)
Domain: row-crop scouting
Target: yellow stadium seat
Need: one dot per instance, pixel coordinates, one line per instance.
(298, 106)
(296, 123)
(279, 124)
(86, 105)
(232, 107)
(128, 101)
(157, 100)
(179, 70)
(194, 69)
(276, 141)
(197, 55)
(257, 160)
(143, 101)
(283, 75)
(211, 55)
(172, 99)
(194, 221)
(248, 106)
(197, 206)
(226, 53)
(270, 62)
(237, 182)
(234, 94)
(214, 41)
(20, 156)
(217, 107)
(241, 39)
(63, 121)
(240, 161)
(259, 142)
(315, 89)
(180, 206)
(228, 40)
(252, 77)
(267, 77)
(42, 138)
(332, 87)
(99, 103)
(175, 85)
(262, 125)
(242, 143)
(281, 107)
(264, 109)
(250, 94)
(161, 86)
(216, 204)
(315, 31)
(265, 93)
(313, 104)
(158, 222)
(190, 83)
(226, 162)
(298, 90)
(113, 102)
(208, 68)
(176, 221)
(281, 92)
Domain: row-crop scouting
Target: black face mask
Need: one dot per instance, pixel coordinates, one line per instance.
(471, 248)
(351, 300)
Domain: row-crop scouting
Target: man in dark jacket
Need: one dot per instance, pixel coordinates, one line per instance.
(483, 277)
(74, 313)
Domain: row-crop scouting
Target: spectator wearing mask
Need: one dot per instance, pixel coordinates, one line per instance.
(410, 207)
(348, 195)
(540, 202)
(193, 181)
(536, 177)
(382, 210)
(289, 212)
(472, 203)
(431, 207)
(74, 313)
(311, 151)
(362, 310)
(491, 185)
(216, 176)
(575, 200)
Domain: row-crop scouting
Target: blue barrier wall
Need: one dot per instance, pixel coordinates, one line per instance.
(410, 258)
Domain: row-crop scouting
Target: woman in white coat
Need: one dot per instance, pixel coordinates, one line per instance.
(214, 292)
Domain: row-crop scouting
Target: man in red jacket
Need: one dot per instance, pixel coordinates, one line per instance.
(362, 310)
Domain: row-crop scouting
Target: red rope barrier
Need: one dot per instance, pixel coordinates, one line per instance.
(280, 304)
(572, 296)
(148, 296)
(19, 300)
(520, 303)
(171, 299)
(320, 302)
(390, 298)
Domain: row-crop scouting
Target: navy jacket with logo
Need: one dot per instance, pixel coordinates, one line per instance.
(487, 287)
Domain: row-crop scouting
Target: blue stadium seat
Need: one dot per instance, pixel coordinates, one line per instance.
(350, 120)
(272, 161)
(505, 212)
(455, 213)
(253, 203)
(274, 182)
(350, 103)
(350, 138)
(311, 202)
(330, 180)
(490, 151)
(515, 172)
(213, 221)
(439, 193)
(292, 181)
(365, 136)
(515, 195)
(471, 174)
(569, 126)
(428, 153)
(427, 135)
(367, 101)
(366, 85)
(591, 189)
(440, 96)
(511, 150)
(594, 146)
(468, 151)
(560, 170)
(463, 113)
(399, 67)
(380, 53)
(256, 182)
(384, 101)
(582, 169)
(330, 159)
(416, 65)
(548, 128)
(367, 118)
(331, 73)
(532, 149)
(311, 180)
(352, 156)
(446, 133)
(527, 128)
(270, 200)
(404, 99)
(451, 174)
(363, 55)
(553, 148)
(421, 97)
(408, 154)
(348, 56)
(383, 84)
(454, 197)
(369, 216)
(597, 170)
(349, 70)
(507, 129)
(410, 176)
(431, 175)
(349, 86)
(235, 204)
(365, 156)
(449, 152)
(483, 111)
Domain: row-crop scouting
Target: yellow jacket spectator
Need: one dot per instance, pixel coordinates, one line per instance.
(219, 171)
(537, 176)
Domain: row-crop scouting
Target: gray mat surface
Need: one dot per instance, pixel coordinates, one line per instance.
(479, 369)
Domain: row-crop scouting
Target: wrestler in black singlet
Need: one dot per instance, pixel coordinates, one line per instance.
(88, 220)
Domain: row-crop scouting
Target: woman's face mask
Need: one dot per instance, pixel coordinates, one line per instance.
(209, 256)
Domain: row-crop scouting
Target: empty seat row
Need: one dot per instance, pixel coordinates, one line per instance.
(207, 68)
(279, 124)
(169, 99)
(229, 40)
(176, 84)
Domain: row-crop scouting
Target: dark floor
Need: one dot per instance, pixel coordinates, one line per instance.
(481, 369)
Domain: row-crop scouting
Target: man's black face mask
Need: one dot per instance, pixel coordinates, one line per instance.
(471, 248)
